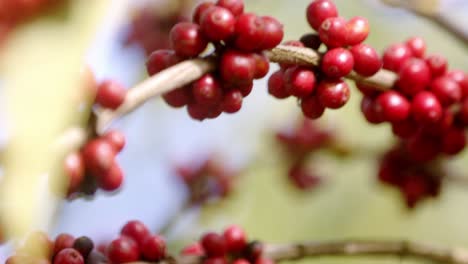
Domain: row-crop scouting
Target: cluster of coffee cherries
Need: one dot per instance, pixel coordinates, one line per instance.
(110, 94)
(324, 86)
(66, 249)
(208, 181)
(238, 40)
(229, 247)
(415, 180)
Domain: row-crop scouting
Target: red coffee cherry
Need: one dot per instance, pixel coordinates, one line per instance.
(453, 141)
(405, 129)
(357, 30)
(75, 169)
(112, 179)
(417, 46)
(241, 261)
(262, 65)
(245, 89)
(237, 67)
(273, 31)
(318, 11)
(68, 256)
(369, 109)
(207, 90)
(276, 85)
(178, 97)
(461, 78)
(395, 56)
(187, 39)
(116, 139)
(99, 156)
(333, 93)
(236, 239)
(235, 6)
(366, 60)
(446, 90)
(333, 31)
(214, 245)
(110, 94)
(299, 81)
(194, 249)
(414, 76)
(312, 107)
(232, 101)
(200, 9)
(215, 260)
(437, 64)
(154, 248)
(425, 108)
(136, 230)
(122, 250)
(161, 59)
(250, 32)
(197, 111)
(423, 147)
(337, 63)
(63, 241)
(217, 23)
(392, 106)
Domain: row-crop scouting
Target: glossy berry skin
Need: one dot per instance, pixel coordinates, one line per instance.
(232, 101)
(214, 245)
(200, 9)
(112, 179)
(318, 11)
(123, 249)
(235, 6)
(63, 241)
(395, 56)
(116, 139)
(99, 156)
(454, 141)
(187, 39)
(276, 85)
(136, 230)
(68, 256)
(194, 249)
(153, 248)
(161, 59)
(245, 89)
(262, 65)
(357, 30)
(446, 90)
(437, 64)
(366, 60)
(178, 97)
(417, 46)
(207, 90)
(217, 23)
(273, 33)
(333, 94)
(312, 107)
(337, 63)
(369, 110)
(110, 94)
(461, 78)
(237, 67)
(333, 32)
(426, 108)
(235, 237)
(392, 106)
(250, 32)
(197, 111)
(414, 76)
(299, 81)
(84, 245)
(75, 169)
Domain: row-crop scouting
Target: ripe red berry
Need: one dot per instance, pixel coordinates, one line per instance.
(273, 33)
(425, 108)
(99, 156)
(369, 109)
(215, 260)
(366, 60)
(68, 256)
(75, 169)
(160, 60)
(217, 23)
(417, 46)
(462, 115)
(207, 90)
(423, 148)
(405, 129)
(84, 245)
(312, 107)
(187, 39)
(236, 239)
(414, 76)
(392, 106)
(337, 63)
(154, 248)
(116, 139)
(357, 30)
(245, 89)
(194, 249)
(136, 230)
(112, 179)
(197, 111)
(241, 261)
(237, 67)
(122, 250)
(232, 101)
(235, 6)
(200, 9)
(299, 81)
(214, 245)
(178, 97)
(110, 94)
(446, 90)
(318, 11)
(262, 65)
(63, 241)
(454, 141)
(333, 31)
(461, 78)
(250, 32)
(395, 56)
(437, 64)
(333, 93)
(276, 86)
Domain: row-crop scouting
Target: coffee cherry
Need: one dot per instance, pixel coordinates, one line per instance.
(122, 250)
(417, 46)
(194, 249)
(299, 81)
(437, 64)
(178, 97)
(333, 93)
(232, 101)
(75, 169)
(99, 156)
(63, 241)
(311, 41)
(395, 56)
(423, 148)
(136, 230)
(241, 261)
(369, 109)
(333, 31)
(217, 23)
(273, 31)
(197, 111)
(214, 245)
(276, 86)
(116, 139)
(237, 67)
(414, 76)
(250, 32)
(68, 256)
(262, 65)
(453, 141)
(207, 90)
(215, 260)
(110, 94)
(461, 78)
(84, 245)
(235, 6)
(446, 90)
(366, 60)
(154, 248)
(337, 63)
(187, 39)
(357, 30)
(392, 106)
(312, 107)
(425, 108)
(236, 239)
(160, 60)
(199, 10)
(245, 89)
(112, 179)
(318, 11)
(405, 129)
